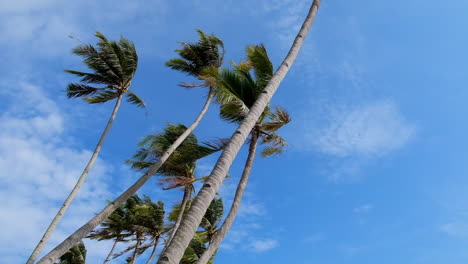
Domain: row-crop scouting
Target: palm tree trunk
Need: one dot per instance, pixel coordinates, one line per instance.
(110, 253)
(187, 195)
(221, 233)
(96, 220)
(153, 253)
(77, 186)
(135, 252)
(191, 221)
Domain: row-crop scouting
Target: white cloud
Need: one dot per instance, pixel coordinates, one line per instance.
(41, 27)
(260, 245)
(365, 208)
(457, 229)
(38, 168)
(369, 130)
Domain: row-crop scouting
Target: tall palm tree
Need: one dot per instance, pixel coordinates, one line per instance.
(179, 169)
(241, 90)
(113, 65)
(76, 255)
(187, 228)
(192, 54)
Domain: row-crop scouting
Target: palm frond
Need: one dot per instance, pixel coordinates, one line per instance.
(102, 97)
(135, 99)
(91, 77)
(270, 151)
(257, 57)
(79, 90)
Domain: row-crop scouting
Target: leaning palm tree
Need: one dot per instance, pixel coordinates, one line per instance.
(113, 65)
(240, 90)
(187, 228)
(179, 169)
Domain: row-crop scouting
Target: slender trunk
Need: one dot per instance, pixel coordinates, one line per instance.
(77, 186)
(153, 253)
(221, 233)
(110, 253)
(96, 220)
(135, 252)
(191, 221)
(187, 195)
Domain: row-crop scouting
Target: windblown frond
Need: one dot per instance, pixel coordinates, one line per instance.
(113, 66)
(102, 97)
(135, 99)
(79, 90)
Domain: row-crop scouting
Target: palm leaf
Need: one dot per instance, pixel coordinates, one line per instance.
(78, 90)
(102, 97)
(135, 99)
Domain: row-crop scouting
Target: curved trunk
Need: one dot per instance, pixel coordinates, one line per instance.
(187, 194)
(110, 253)
(96, 220)
(77, 186)
(191, 221)
(153, 253)
(221, 233)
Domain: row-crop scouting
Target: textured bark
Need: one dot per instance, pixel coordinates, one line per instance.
(77, 186)
(107, 211)
(187, 194)
(191, 221)
(153, 253)
(110, 253)
(221, 233)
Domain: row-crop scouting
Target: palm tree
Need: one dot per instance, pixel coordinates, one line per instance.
(241, 90)
(201, 202)
(192, 54)
(113, 66)
(115, 227)
(76, 255)
(179, 169)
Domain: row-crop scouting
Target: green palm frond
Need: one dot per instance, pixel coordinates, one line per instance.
(270, 151)
(195, 57)
(182, 161)
(102, 97)
(80, 90)
(277, 119)
(90, 77)
(233, 112)
(257, 57)
(213, 215)
(135, 99)
(113, 66)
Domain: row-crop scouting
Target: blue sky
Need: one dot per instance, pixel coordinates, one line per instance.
(376, 167)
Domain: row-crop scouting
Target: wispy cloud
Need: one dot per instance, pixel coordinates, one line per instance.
(260, 245)
(365, 208)
(368, 130)
(38, 168)
(457, 229)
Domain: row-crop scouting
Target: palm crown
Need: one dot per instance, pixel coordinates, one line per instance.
(196, 57)
(113, 66)
(238, 90)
